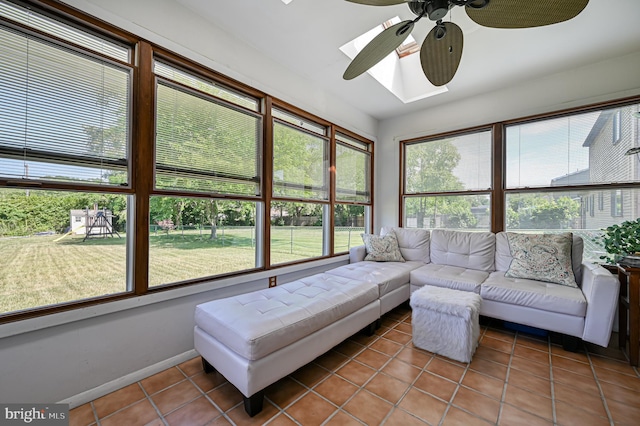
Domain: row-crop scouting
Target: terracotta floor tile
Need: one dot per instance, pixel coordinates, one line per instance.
(569, 415)
(623, 414)
(310, 375)
(620, 394)
(219, 421)
(487, 385)
(373, 359)
(162, 380)
(363, 339)
(368, 407)
(404, 327)
(82, 415)
(341, 419)
(490, 368)
(572, 365)
(311, 410)
(284, 392)
(401, 370)
(499, 345)
(386, 387)
(457, 417)
(530, 402)
(336, 389)
(348, 348)
(173, 397)
(226, 396)
(613, 364)
(386, 346)
(240, 417)
(445, 369)
(423, 406)
(209, 381)
(436, 386)
(590, 401)
(507, 336)
(539, 343)
(191, 367)
(400, 417)
(356, 373)
(397, 336)
(117, 400)
(573, 379)
(511, 416)
(492, 355)
(531, 367)
(416, 357)
(140, 413)
(529, 382)
(581, 355)
(624, 380)
(476, 403)
(532, 354)
(198, 412)
(282, 420)
(332, 360)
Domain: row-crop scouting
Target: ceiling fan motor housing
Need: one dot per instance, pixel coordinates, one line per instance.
(434, 9)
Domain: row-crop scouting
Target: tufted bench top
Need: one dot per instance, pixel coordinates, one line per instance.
(255, 324)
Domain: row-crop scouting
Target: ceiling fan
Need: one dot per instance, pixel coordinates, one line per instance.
(441, 50)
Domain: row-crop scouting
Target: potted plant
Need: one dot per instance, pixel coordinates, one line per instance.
(620, 241)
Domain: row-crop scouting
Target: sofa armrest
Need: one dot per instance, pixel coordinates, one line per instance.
(601, 289)
(357, 254)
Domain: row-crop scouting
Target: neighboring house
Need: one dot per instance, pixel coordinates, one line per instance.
(612, 135)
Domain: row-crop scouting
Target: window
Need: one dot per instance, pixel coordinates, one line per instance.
(553, 164)
(300, 191)
(205, 146)
(353, 180)
(64, 162)
(447, 182)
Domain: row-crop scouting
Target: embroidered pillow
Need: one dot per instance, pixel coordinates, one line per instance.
(382, 249)
(542, 257)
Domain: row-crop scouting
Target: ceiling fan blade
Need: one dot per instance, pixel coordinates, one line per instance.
(440, 54)
(379, 2)
(378, 48)
(525, 14)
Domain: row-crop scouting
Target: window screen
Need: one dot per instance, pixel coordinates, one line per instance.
(352, 174)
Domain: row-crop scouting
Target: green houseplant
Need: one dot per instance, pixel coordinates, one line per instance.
(621, 240)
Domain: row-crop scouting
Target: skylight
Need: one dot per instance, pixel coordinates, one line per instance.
(400, 72)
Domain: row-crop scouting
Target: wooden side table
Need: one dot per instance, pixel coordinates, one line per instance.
(629, 309)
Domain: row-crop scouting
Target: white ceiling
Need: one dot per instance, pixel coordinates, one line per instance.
(305, 36)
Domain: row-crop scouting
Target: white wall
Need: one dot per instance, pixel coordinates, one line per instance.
(613, 79)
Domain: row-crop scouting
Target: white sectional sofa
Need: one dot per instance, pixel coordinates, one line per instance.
(477, 262)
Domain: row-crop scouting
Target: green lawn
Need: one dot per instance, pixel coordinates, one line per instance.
(44, 270)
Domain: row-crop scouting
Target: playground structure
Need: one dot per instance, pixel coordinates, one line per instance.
(92, 223)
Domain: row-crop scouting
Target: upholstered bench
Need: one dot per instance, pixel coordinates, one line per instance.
(445, 321)
(257, 338)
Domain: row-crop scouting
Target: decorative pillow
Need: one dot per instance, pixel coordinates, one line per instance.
(542, 257)
(382, 249)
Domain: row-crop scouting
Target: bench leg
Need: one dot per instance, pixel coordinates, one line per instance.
(253, 404)
(370, 330)
(208, 368)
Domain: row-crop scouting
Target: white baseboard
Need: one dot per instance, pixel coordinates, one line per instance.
(136, 376)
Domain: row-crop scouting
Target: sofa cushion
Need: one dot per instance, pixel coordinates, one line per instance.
(504, 258)
(258, 323)
(475, 250)
(534, 294)
(382, 248)
(542, 257)
(413, 242)
(452, 277)
(388, 276)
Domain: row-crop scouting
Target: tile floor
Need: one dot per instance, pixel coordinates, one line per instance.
(514, 379)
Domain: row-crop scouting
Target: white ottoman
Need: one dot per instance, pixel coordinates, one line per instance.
(445, 321)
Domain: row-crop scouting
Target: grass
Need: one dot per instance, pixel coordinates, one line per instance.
(46, 270)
